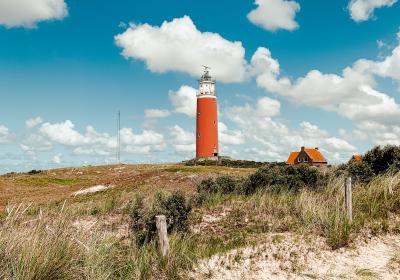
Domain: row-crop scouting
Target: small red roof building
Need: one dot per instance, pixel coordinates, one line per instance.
(310, 156)
(356, 157)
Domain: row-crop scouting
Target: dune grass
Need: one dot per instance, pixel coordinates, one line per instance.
(40, 243)
(48, 247)
(321, 212)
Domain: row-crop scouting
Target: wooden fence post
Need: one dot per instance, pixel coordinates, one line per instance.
(163, 242)
(348, 197)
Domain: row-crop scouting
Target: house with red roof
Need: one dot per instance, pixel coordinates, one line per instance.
(310, 156)
(356, 157)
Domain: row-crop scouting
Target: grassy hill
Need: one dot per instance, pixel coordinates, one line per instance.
(48, 231)
(55, 186)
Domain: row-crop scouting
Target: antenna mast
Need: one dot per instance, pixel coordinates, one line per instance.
(119, 137)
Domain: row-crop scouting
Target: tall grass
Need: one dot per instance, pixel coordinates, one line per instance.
(49, 247)
(38, 249)
(35, 245)
(320, 211)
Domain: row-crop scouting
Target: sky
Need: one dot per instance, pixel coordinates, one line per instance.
(289, 74)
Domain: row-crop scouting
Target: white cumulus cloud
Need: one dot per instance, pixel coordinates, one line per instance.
(184, 141)
(229, 137)
(57, 159)
(362, 10)
(63, 133)
(275, 14)
(156, 113)
(179, 46)
(5, 135)
(103, 144)
(27, 13)
(351, 94)
(270, 139)
(32, 122)
(184, 100)
(34, 143)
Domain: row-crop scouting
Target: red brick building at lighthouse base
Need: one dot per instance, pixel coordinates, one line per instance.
(207, 119)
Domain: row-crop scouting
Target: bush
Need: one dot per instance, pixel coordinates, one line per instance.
(207, 186)
(226, 162)
(360, 171)
(275, 176)
(223, 185)
(376, 161)
(34, 172)
(287, 177)
(226, 184)
(382, 159)
(173, 206)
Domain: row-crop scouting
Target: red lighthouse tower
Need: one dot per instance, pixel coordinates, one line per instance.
(206, 118)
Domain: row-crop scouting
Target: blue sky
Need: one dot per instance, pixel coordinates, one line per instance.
(67, 67)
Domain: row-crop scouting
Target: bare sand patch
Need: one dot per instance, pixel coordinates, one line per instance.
(94, 189)
(288, 256)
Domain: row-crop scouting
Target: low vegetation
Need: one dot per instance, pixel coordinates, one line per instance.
(83, 239)
(377, 161)
(229, 163)
(173, 206)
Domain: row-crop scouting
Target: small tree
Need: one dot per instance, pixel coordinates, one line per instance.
(173, 206)
(360, 171)
(286, 177)
(382, 158)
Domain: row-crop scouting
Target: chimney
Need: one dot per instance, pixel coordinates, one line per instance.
(317, 148)
(302, 149)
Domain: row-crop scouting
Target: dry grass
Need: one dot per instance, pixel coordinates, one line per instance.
(87, 237)
(312, 212)
(53, 247)
(54, 186)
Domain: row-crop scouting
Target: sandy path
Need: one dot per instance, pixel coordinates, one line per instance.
(291, 257)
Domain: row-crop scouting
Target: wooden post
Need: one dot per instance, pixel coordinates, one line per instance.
(348, 197)
(163, 242)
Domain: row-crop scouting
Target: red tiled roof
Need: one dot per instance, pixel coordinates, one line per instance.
(357, 157)
(315, 155)
(292, 157)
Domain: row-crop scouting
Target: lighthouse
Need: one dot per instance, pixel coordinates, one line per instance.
(206, 118)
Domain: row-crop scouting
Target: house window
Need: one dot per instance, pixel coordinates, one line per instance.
(305, 159)
(298, 159)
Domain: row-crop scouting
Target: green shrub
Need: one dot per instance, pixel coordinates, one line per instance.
(227, 162)
(199, 198)
(222, 185)
(34, 172)
(173, 206)
(382, 159)
(377, 161)
(177, 211)
(226, 184)
(283, 177)
(207, 186)
(360, 171)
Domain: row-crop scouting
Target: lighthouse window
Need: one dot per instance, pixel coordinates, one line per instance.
(198, 135)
